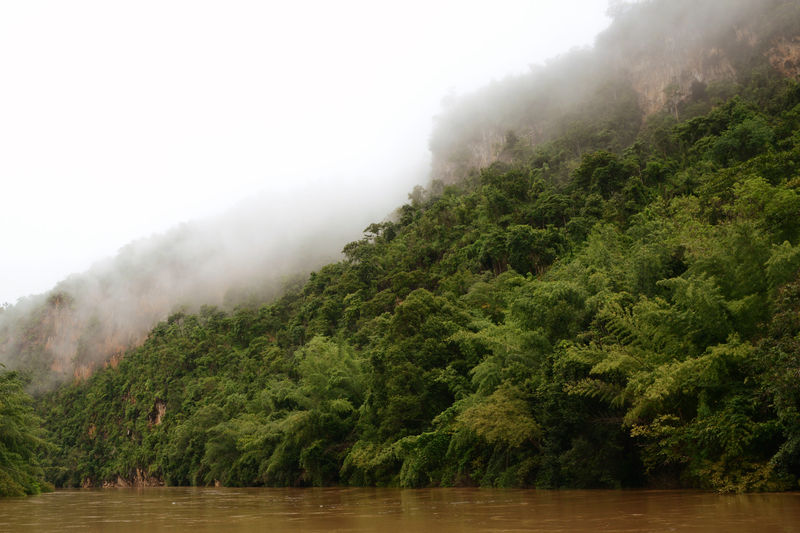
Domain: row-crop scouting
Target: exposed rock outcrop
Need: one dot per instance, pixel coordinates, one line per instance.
(139, 478)
(157, 413)
(666, 63)
(784, 56)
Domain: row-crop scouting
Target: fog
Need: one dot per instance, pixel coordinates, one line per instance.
(119, 121)
(247, 255)
(165, 155)
(653, 56)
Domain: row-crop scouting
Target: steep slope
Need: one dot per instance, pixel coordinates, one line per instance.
(655, 56)
(246, 256)
(617, 306)
(636, 325)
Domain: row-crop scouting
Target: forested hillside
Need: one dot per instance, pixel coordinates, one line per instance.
(638, 324)
(233, 258)
(617, 312)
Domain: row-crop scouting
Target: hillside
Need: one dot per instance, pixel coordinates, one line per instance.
(614, 305)
(656, 56)
(244, 256)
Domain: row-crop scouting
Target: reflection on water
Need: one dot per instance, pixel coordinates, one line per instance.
(156, 510)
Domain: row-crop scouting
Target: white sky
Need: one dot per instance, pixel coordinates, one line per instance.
(121, 119)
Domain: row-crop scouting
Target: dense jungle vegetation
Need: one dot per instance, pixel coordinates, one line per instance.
(616, 307)
(634, 320)
(21, 441)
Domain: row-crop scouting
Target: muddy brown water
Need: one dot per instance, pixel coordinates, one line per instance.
(196, 510)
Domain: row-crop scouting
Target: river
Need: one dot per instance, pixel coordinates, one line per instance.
(197, 510)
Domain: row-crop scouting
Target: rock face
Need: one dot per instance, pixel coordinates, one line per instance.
(157, 413)
(673, 77)
(784, 56)
(479, 152)
(138, 479)
(667, 52)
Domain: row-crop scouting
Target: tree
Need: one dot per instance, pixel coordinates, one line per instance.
(20, 439)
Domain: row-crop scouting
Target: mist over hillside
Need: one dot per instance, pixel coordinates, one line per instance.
(599, 288)
(110, 137)
(657, 56)
(244, 256)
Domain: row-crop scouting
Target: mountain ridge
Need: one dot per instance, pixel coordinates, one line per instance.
(616, 306)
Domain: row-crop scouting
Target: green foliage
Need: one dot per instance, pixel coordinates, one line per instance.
(20, 440)
(502, 419)
(617, 306)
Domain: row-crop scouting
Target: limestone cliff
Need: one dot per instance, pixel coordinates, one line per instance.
(667, 53)
(784, 56)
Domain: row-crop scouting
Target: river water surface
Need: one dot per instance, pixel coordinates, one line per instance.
(196, 510)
